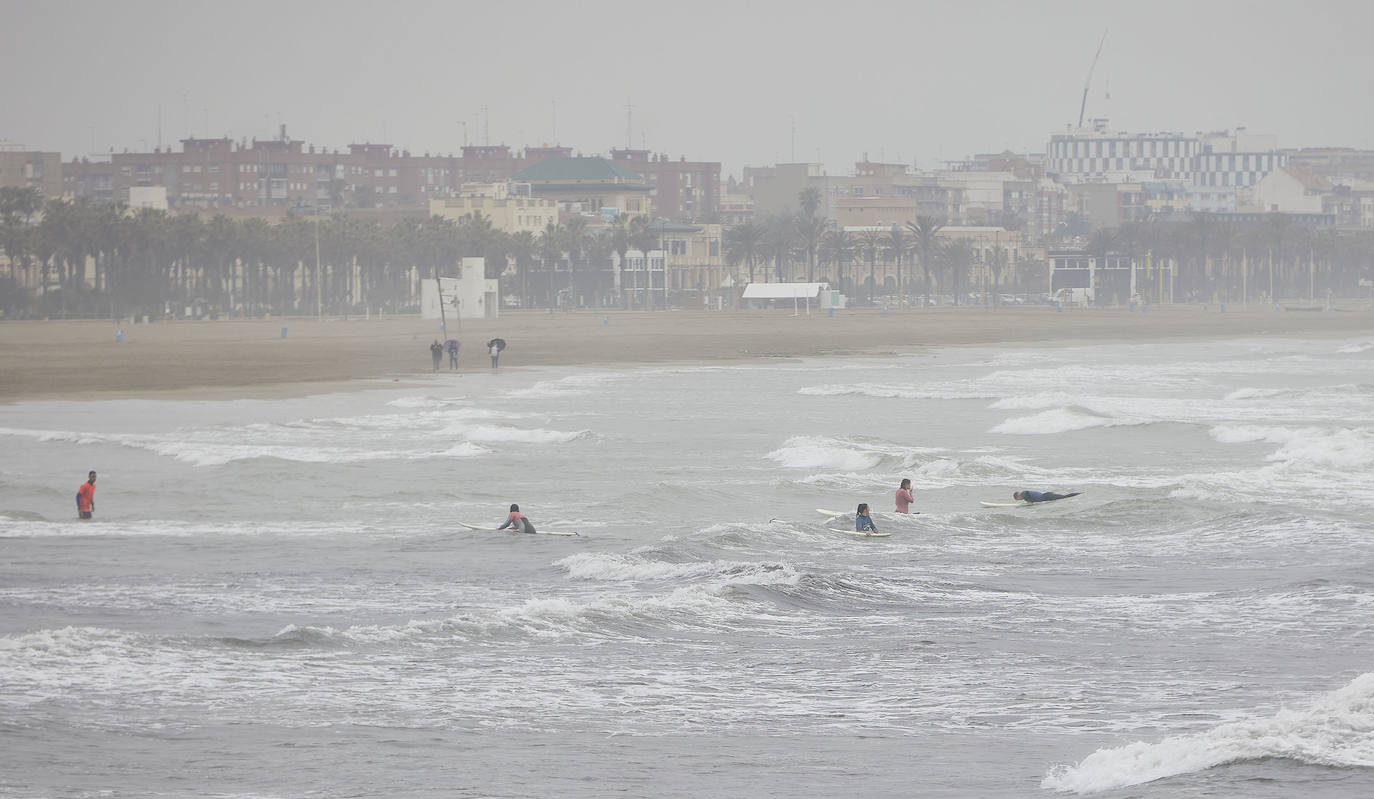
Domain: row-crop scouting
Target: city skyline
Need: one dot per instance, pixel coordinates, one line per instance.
(916, 84)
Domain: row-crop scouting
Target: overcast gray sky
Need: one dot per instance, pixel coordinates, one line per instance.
(727, 81)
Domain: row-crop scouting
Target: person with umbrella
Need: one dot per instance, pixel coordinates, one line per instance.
(452, 346)
(494, 347)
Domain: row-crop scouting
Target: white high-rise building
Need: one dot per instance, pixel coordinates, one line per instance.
(1101, 155)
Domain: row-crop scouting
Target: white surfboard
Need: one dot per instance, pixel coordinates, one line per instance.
(1022, 504)
(859, 534)
(508, 530)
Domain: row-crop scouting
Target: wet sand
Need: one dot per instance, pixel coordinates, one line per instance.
(249, 358)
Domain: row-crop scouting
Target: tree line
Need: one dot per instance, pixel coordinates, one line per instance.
(89, 259)
(92, 259)
(1216, 259)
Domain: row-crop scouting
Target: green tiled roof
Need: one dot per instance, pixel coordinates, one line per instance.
(587, 168)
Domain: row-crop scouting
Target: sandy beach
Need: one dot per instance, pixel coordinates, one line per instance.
(250, 358)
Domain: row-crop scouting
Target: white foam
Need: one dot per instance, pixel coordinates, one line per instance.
(634, 568)
(492, 434)
(939, 392)
(1355, 347)
(816, 452)
(1060, 420)
(1334, 731)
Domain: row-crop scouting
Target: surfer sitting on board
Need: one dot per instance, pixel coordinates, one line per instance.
(905, 497)
(517, 521)
(863, 523)
(1040, 496)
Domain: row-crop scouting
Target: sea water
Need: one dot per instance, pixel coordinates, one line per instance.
(275, 597)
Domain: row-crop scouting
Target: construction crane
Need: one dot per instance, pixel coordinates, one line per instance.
(1084, 105)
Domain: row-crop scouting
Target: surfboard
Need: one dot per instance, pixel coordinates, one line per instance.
(859, 534)
(508, 530)
(1024, 504)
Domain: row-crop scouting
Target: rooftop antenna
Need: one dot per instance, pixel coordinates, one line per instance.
(1083, 106)
(794, 139)
(629, 124)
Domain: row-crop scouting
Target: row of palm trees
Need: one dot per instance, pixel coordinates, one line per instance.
(790, 242)
(1214, 259)
(81, 258)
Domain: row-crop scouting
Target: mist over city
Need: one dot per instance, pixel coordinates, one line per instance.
(531, 399)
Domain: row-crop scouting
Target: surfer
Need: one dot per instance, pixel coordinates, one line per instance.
(85, 497)
(863, 523)
(517, 521)
(1040, 496)
(905, 497)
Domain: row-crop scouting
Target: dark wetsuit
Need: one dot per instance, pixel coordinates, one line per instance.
(1044, 496)
(517, 522)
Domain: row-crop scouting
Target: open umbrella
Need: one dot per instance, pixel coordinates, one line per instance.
(451, 344)
(498, 343)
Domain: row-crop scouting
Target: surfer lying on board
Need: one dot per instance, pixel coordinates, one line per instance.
(1040, 496)
(863, 523)
(517, 521)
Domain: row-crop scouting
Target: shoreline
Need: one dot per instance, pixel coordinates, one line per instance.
(249, 359)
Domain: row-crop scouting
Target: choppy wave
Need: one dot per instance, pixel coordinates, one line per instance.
(820, 452)
(635, 567)
(1062, 420)
(1355, 347)
(938, 392)
(1343, 448)
(1334, 731)
(490, 434)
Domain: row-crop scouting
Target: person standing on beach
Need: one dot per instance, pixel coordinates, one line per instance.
(495, 354)
(905, 497)
(453, 354)
(85, 497)
(436, 351)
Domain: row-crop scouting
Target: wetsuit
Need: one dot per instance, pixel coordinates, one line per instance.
(1044, 496)
(517, 522)
(864, 524)
(85, 500)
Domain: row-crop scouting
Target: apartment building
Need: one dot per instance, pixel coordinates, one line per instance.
(510, 206)
(31, 169)
(684, 190)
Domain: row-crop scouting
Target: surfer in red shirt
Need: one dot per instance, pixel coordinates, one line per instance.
(905, 497)
(85, 497)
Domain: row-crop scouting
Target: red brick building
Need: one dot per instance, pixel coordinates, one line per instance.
(285, 173)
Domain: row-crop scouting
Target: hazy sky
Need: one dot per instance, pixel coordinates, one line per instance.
(727, 81)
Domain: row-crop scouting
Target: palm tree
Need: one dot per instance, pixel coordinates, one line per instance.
(839, 248)
(644, 239)
(779, 238)
(575, 245)
(870, 242)
(810, 230)
(744, 245)
(810, 200)
(899, 244)
(523, 248)
(958, 257)
(924, 234)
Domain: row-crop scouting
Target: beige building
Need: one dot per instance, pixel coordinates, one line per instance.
(42, 171)
(589, 186)
(509, 206)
